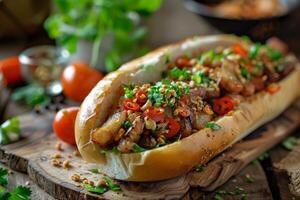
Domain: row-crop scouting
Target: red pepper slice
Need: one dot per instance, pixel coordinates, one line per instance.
(183, 61)
(272, 89)
(223, 105)
(238, 49)
(130, 105)
(155, 113)
(141, 97)
(173, 126)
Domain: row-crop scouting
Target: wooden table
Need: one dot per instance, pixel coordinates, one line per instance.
(164, 28)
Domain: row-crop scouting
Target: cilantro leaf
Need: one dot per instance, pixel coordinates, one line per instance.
(111, 185)
(3, 176)
(289, 143)
(20, 193)
(95, 189)
(137, 149)
(213, 126)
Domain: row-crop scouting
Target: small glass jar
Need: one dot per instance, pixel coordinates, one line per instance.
(44, 65)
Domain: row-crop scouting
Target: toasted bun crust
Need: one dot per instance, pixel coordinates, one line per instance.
(179, 157)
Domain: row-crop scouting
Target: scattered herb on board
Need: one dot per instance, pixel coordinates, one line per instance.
(112, 186)
(95, 189)
(31, 94)
(289, 143)
(237, 191)
(213, 126)
(218, 197)
(137, 149)
(199, 168)
(249, 178)
(18, 193)
(261, 157)
(94, 170)
(10, 131)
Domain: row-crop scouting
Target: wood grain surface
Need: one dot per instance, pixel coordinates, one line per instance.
(33, 155)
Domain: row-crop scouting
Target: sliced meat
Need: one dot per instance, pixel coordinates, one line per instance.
(249, 89)
(200, 119)
(147, 141)
(258, 83)
(133, 135)
(185, 127)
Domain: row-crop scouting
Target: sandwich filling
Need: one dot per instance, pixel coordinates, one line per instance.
(195, 91)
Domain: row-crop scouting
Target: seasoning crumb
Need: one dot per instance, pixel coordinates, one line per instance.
(66, 164)
(57, 156)
(89, 182)
(101, 182)
(76, 153)
(56, 163)
(76, 178)
(59, 147)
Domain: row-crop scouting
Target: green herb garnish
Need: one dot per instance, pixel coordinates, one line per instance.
(111, 185)
(3, 176)
(128, 90)
(218, 197)
(274, 54)
(137, 149)
(94, 170)
(212, 125)
(245, 73)
(199, 168)
(31, 94)
(258, 68)
(10, 131)
(127, 125)
(289, 143)
(249, 178)
(254, 50)
(179, 73)
(95, 189)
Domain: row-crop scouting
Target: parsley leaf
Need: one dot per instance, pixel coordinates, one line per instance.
(137, 149)
(213, 126)
(199, 168)
(95, 189)
(179, 73)
(111, 185)
(3, 176)
(289, 143)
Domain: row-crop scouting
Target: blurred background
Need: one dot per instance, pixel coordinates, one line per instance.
(39, 39)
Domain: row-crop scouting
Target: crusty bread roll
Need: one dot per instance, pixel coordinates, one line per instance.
(179, 157)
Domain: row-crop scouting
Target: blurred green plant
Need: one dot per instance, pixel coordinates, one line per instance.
(93, 20)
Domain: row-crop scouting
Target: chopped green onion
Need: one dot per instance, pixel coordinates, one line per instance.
(137, 149)
(254, 50)
(127, 125)
(213, 126)
(245, 73)
(274, 54)
(289, 143)
(199, 168)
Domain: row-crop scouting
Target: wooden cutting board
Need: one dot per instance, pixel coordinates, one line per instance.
(33, 155)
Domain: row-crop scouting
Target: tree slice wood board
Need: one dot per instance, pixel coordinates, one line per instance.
(33, 155)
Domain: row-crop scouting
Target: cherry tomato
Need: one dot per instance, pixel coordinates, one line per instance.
(238, 49)
(11, 69)
(141, 97)
(78, 79)
(272, 89)
(173, 126)
(223, 105)
(155, 113)
(63, 124)
(183, 61)
(130, 105)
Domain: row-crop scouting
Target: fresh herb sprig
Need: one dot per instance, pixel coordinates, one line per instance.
(10, 131)
(99, 21)
(289, 143)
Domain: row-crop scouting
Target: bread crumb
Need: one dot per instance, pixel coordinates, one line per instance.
(59, 147)
(76, 153)
(66, 164)
(76, 178)
(57, 155)
(56, 163)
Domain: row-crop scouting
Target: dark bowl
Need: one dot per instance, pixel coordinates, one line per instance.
(258, 29)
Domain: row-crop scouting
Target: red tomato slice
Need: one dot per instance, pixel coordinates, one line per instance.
(141, 97)
(238, 49)
(155, 113)
(272, 89)
(183, 61)
(130, 105)
(173, 126)
(223, 105)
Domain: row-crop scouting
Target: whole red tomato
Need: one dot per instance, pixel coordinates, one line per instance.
(11, 69)
(78, 79)
(63, 124)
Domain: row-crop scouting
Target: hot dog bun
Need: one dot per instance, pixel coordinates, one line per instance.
(179, 157)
